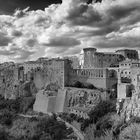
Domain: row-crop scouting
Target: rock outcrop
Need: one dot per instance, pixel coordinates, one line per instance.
(131, 107)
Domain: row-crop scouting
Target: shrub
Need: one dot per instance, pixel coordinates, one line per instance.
(26, 103)
(134, 119)
(132, 132)
(56, 129)
(23, 128)
(101, 109)
(85, 124)
(6, 117)
(106, 123)
(78, 84)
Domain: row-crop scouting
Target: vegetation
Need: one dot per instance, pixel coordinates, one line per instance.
(103, 108)
(132, 132)
(16, 127)
(78, 84)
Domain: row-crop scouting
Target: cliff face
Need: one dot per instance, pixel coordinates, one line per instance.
(131, 107)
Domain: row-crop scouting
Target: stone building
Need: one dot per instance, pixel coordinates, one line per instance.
(53, 71)
(128, 78)
(74, 60)
(129, 54)
(99, 77)
(94, 59)
(10, 77)
(31, 65)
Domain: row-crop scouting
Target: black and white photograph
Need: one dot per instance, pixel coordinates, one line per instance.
(69, 69)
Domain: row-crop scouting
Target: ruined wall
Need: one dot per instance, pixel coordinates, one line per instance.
(45, 76)
(12, 84)
(9, 78)
(85, 98)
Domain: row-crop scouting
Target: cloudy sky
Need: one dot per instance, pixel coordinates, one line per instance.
(34, 28)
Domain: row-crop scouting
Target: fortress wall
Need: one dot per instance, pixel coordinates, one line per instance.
(47, 76)
(41, 103)
(51, 104)
(97, 77)
(60, 101)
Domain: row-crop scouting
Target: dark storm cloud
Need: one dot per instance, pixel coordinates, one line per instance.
(16, 33)
(111, 20)
(128, 42)
(31, 42)
(83, 14)
(9, 6)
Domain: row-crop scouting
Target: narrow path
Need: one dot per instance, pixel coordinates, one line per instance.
(76, 131)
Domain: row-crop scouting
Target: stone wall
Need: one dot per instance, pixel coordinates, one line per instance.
(43, 77)
(13, 84)
(44, 103)
(67, 98)
(100, 78)
(8, 82)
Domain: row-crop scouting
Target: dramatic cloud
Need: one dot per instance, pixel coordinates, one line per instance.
(65, 28)
(4, 39)
(62, 42)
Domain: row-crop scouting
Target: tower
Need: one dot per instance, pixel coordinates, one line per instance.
(89, 57)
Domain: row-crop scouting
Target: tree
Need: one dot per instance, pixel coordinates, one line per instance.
(101, 109)
(56, 129)
(6, 117)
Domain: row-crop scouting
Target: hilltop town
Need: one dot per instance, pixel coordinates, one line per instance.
(76, 85)
(63, 82)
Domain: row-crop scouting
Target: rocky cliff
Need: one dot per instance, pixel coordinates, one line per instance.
(130, 107)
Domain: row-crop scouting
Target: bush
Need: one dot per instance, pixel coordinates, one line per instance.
(23, 128)
(103, 108)
(106, 123)
(134, 119)
(26, 103)
(56, 129)
(131, 132)
(78, 84)
(11, 105)
(85, 124)
(6, 117)
(89, 86)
